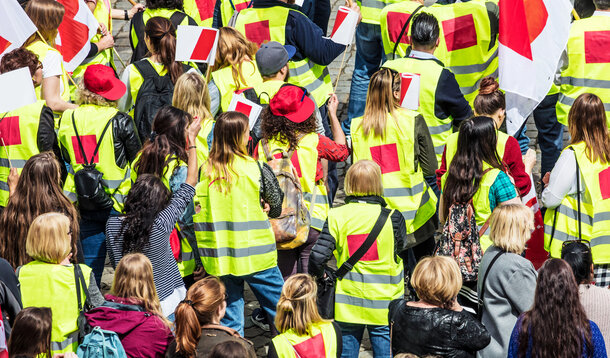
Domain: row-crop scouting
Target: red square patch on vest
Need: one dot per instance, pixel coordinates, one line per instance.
(396, 20)
(239, 7)
(89, 144)
(597, 45)
(206, 8)
(604, 183)
(313, 347)
(355, 241)
(258, 32)
(460, 32)
(387, 157)
(9, 131)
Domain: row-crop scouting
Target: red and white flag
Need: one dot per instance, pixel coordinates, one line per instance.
(240, 104)
(533, 34)
(345, 26)
(409, 91)
(75, 31)
(15, 26)
(196, 44)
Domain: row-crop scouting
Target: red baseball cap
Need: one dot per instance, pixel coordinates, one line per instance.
(293, 103)
(101, 80)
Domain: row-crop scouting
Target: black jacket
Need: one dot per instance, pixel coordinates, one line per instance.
(435, 331)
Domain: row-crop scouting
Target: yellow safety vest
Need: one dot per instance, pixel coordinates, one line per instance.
(267, 90)
(320, 343)
(233, 232)
(430, 73)
(269, 24)
(364, 293)
(305, 160)
(19, 131)
(561, 223)
(228, 8)
(451, 146)
(149, 13)
(588, 65)
(91, 120)
(404, 187)
(371, 9)
(223, 78)
(52, 285)
(41, 49)
(203, 150)
(202, 11)
(465, 40)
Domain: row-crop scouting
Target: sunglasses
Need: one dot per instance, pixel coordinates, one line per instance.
(570, 242)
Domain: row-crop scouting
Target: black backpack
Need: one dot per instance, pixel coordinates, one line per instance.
(137, 23)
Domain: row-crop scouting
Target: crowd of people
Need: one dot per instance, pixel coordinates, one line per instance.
(148, 170)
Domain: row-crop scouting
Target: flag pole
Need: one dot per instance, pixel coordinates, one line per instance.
(66, 73)
(575, 14)
(340, 69)
(133, 3)
(119, 57)
(208, 72)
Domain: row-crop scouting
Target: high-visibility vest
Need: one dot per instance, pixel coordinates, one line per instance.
(91, 120)
(481, 203)
(202, 11)
(371, 9)
(19, 131)
(51, 285)
(561, 223)
(269, 24)
(451, 146)
(430, 72)
(588, 64)
(229, 7)
(267, 90)
(404, 187)
(41, 49)
(364, 293)
(466, 46)
(203, 149)
(320, 343)
(305, 161)
(149, 13)
(223, 78)
(234, 235)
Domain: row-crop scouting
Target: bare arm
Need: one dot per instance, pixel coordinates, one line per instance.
(51, 94)
(193, 168)
(335, 125)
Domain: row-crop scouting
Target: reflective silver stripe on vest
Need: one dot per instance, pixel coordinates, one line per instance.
(558, 235)
(318, 82)
(602, 240)
(573, 214)
(569, 101)
(409, 214)
(320, 198)
(111, 184)
(440, 128)
(439, 149)
(372, 278)
(599, 217)
(472, 89)
(476, 68)
(585, 82)
(233, 225)
(16, 163)
(240, 252)
(3, 185)
(60, 346)
(186, 256)
(297, 71)
(376, 4)
(119, 197)
(398, 192)
(71, 196)
(315, 222)
(362, 302)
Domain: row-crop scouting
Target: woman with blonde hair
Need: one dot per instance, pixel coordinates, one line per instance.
(47, 15)
(436, 323)
(507, 280)
(48, 244)
(303, 332)
(398, 140)
(364, 291)
(133, 310)
(198, 317)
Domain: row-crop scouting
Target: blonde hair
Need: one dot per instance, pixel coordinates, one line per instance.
(380, 101)
(191, 95)
(133, 278)
(84, 96)
(233, 50)
(46, 15)
(49, 238)
(437, 280)
(297, 308)
(511, 226)
(363, 178)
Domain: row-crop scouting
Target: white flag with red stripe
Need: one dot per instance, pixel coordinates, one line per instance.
(16, 90)
(75, 31)
(345, 26)
(196, 44)
(240, 104)
(15, 26)
(533, 34)
(409, 91)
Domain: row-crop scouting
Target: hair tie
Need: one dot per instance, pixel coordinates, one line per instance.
(153, 135)
(188, 302)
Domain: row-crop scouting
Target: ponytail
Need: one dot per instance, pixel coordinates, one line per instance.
(297, 308)
(162, 36)
(188, 329)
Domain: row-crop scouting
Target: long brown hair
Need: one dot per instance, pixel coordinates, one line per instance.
(162, 36)
(380, 101)
(490, 99)
(297, 308)
(233, 50)
(557, 325)
(198, 308)
(38, 192)
(46, 15)
(587, 123)
(31, 333)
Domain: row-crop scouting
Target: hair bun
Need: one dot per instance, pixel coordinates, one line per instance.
(488, 85)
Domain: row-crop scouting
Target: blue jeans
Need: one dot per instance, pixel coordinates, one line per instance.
(369, 57)
(266, 286)
(93, 239)
(352, 336)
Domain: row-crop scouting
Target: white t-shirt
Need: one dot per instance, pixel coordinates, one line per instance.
(51, 66)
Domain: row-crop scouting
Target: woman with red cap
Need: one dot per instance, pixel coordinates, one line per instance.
(97, 135)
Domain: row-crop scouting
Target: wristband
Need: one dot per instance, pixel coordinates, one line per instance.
(193, 147)
(126, 15)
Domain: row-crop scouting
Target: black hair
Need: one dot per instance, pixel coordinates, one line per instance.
(578, 256)
(165, 4)
(602, 4)
(424, 30)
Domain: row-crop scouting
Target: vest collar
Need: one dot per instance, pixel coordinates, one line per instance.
(372, 199)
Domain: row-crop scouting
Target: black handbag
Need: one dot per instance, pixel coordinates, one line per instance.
(326, 284)
(83, 326)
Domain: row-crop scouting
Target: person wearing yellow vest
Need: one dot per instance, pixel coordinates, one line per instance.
(97, 133)
(234, 69)
(234, 235)
(47, 16)
(475, 173)
(397, 139)
(303, 332)
(224, 11)
(363, 294)
(576, 193)
(49, 280)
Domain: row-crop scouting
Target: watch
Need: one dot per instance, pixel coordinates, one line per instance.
(126, 15)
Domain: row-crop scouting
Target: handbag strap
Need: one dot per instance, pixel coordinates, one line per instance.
(80, 284)
(97, 146)
(348, 265)
(404, 28)
(578, 196)
(482, 296)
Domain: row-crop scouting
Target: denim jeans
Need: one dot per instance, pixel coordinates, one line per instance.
(266, 286)
(369, 57)
(93, 239)
(352, 336)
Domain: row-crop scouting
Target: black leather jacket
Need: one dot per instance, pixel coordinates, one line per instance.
(435, 331)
